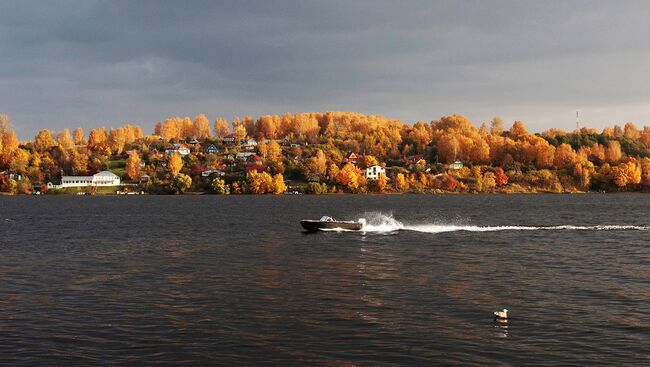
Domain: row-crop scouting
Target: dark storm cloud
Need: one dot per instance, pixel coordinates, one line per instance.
(90, 63)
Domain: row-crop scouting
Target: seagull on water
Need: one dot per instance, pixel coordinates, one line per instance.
(501, 315)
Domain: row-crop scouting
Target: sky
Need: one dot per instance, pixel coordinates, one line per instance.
(93, 63)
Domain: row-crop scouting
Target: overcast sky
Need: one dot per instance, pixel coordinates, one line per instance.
(105, 63)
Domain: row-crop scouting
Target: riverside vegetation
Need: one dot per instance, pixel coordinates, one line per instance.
(311, 153)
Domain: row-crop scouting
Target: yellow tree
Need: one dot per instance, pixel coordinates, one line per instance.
(613, 153)
(44, 141)
(65, 140)
(221, 128)
(496, 126)
(19, 162)
(79, 163)
(117, 140)
(350, 177)
(583, 171)
(260, 183)
(263, 149)
(133, 166)
(240, 133)
(627, 173)
(169, 129)
(565, 156)
(274, 152)
(201, 127)
(175, 163)
(79, 138)
(401, 184)
(382, 182)
(279, 187)
(518, 130)
(97, 139)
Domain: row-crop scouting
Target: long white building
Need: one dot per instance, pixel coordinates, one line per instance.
(103, 178)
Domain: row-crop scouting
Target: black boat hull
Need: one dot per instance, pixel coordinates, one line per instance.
(313, 225)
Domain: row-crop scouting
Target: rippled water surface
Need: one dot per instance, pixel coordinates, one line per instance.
(199, 280)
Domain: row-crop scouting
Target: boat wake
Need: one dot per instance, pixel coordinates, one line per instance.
(382, 223)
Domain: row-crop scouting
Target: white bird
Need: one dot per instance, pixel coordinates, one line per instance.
(501, 314)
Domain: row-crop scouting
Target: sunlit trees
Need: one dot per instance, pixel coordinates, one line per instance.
(133, 166)
(181, 183)
(496, 126)
(260, 183)
(79, 138)
(97, 139)
(65, 140)
(79, 164)
(175, 163)
(221, 128)
(201, 127)
(583, 171)
(613, 152)
(279, 187)
(44, 141)
(219, 186)
(565, 156)
(350, 177)
(20, 161)
(117, 140)
(401, 184)
(500, 177)
(518, 130)
(628, 173)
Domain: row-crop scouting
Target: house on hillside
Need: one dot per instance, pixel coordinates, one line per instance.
(181, 149)
(372, 173)
(230, 139)
(249, 144)
(212, 149)
(243, 156)
(351, 158)
(103, 178)
(456, 165)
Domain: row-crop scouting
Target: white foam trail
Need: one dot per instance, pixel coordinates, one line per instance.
(386, 223)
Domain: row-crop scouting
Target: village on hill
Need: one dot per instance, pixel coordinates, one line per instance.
(317, 153)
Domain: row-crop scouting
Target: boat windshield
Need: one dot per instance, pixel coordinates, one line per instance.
(327, 219)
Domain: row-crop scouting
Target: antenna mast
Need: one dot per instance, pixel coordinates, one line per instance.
(578, 120)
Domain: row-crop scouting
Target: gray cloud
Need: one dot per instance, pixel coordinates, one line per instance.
(94, 63)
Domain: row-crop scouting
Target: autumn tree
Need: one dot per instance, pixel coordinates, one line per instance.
(117, 140)
(518, 130)
(274, 152)
(79, 138)
(133, 166)
(219, 186)
(350, 177)
(583, 171)
(500, 177)
(613, 153)
(279, 187)
(565, 156)
(97, 139)
(79, 163)
(496, 126)
(20, 161)
(628, 173)
(175, 163)
(201, 127)
(65, 140)
(260, 183)
(44, 141)
(221, 128)
(181, 183)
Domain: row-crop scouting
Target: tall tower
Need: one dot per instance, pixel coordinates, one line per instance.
(577, 120)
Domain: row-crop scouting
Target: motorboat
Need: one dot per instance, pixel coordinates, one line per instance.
(329, 223)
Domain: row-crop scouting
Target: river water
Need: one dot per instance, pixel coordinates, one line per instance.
(233, 280)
